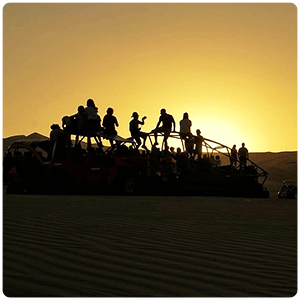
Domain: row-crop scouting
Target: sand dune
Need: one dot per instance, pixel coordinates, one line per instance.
(280, 166)
(106, 246)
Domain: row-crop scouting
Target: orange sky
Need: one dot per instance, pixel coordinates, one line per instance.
(232, 67)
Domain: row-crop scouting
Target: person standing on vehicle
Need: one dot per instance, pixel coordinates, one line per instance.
(198, 139)
(233, 156)
(166, 128)
(185, 131)
(59, 140)
(243, 156)
(136, 132)
(185, 126)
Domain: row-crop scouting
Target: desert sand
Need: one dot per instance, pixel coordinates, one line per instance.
(120, 246)
(117, 246)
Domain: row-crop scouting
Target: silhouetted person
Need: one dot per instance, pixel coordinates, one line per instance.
(233, 156)
(155, 151)
(55, 132)
(185, 129)
(59, 139)
(67, 124)
(166, 128)
(243, 155)
(109, 123)
(136, 132)
(166, 152)
(198, 139)
(185, 126)
(172, 149)
(93, 119)
(80, 119)
(189, 146)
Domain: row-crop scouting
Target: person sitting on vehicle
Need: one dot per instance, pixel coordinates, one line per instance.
(109, 123)
(136, 132)
(75, 122)
(243, 156)
(166, 128)
(218, 161)
(233, 156)
(67, 124)
(55, 132)
(79, 120)
(93, 119)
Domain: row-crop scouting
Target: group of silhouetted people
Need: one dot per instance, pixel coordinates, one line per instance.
(87, 120)
(242, 154)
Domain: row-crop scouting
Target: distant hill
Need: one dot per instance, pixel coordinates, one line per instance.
(279, 165)
(8, 141)
(34, 136)
(37, 136)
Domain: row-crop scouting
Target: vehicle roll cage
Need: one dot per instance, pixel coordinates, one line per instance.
(224, 150)
(209, 144)
(97, 136)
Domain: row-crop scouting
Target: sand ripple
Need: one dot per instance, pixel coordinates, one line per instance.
(146, 246)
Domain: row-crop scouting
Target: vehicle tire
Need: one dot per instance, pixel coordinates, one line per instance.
(129, 185)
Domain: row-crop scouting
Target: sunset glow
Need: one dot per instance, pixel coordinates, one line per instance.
(232, 67)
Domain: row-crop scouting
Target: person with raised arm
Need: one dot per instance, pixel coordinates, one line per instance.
(135, 130)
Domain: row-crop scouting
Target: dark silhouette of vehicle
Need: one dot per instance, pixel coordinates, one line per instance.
(288, 190)
(83, 165)
(67, 166)
(205, 176)
(23, 164)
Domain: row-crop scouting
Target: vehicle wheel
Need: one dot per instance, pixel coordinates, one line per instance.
(129, 185)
